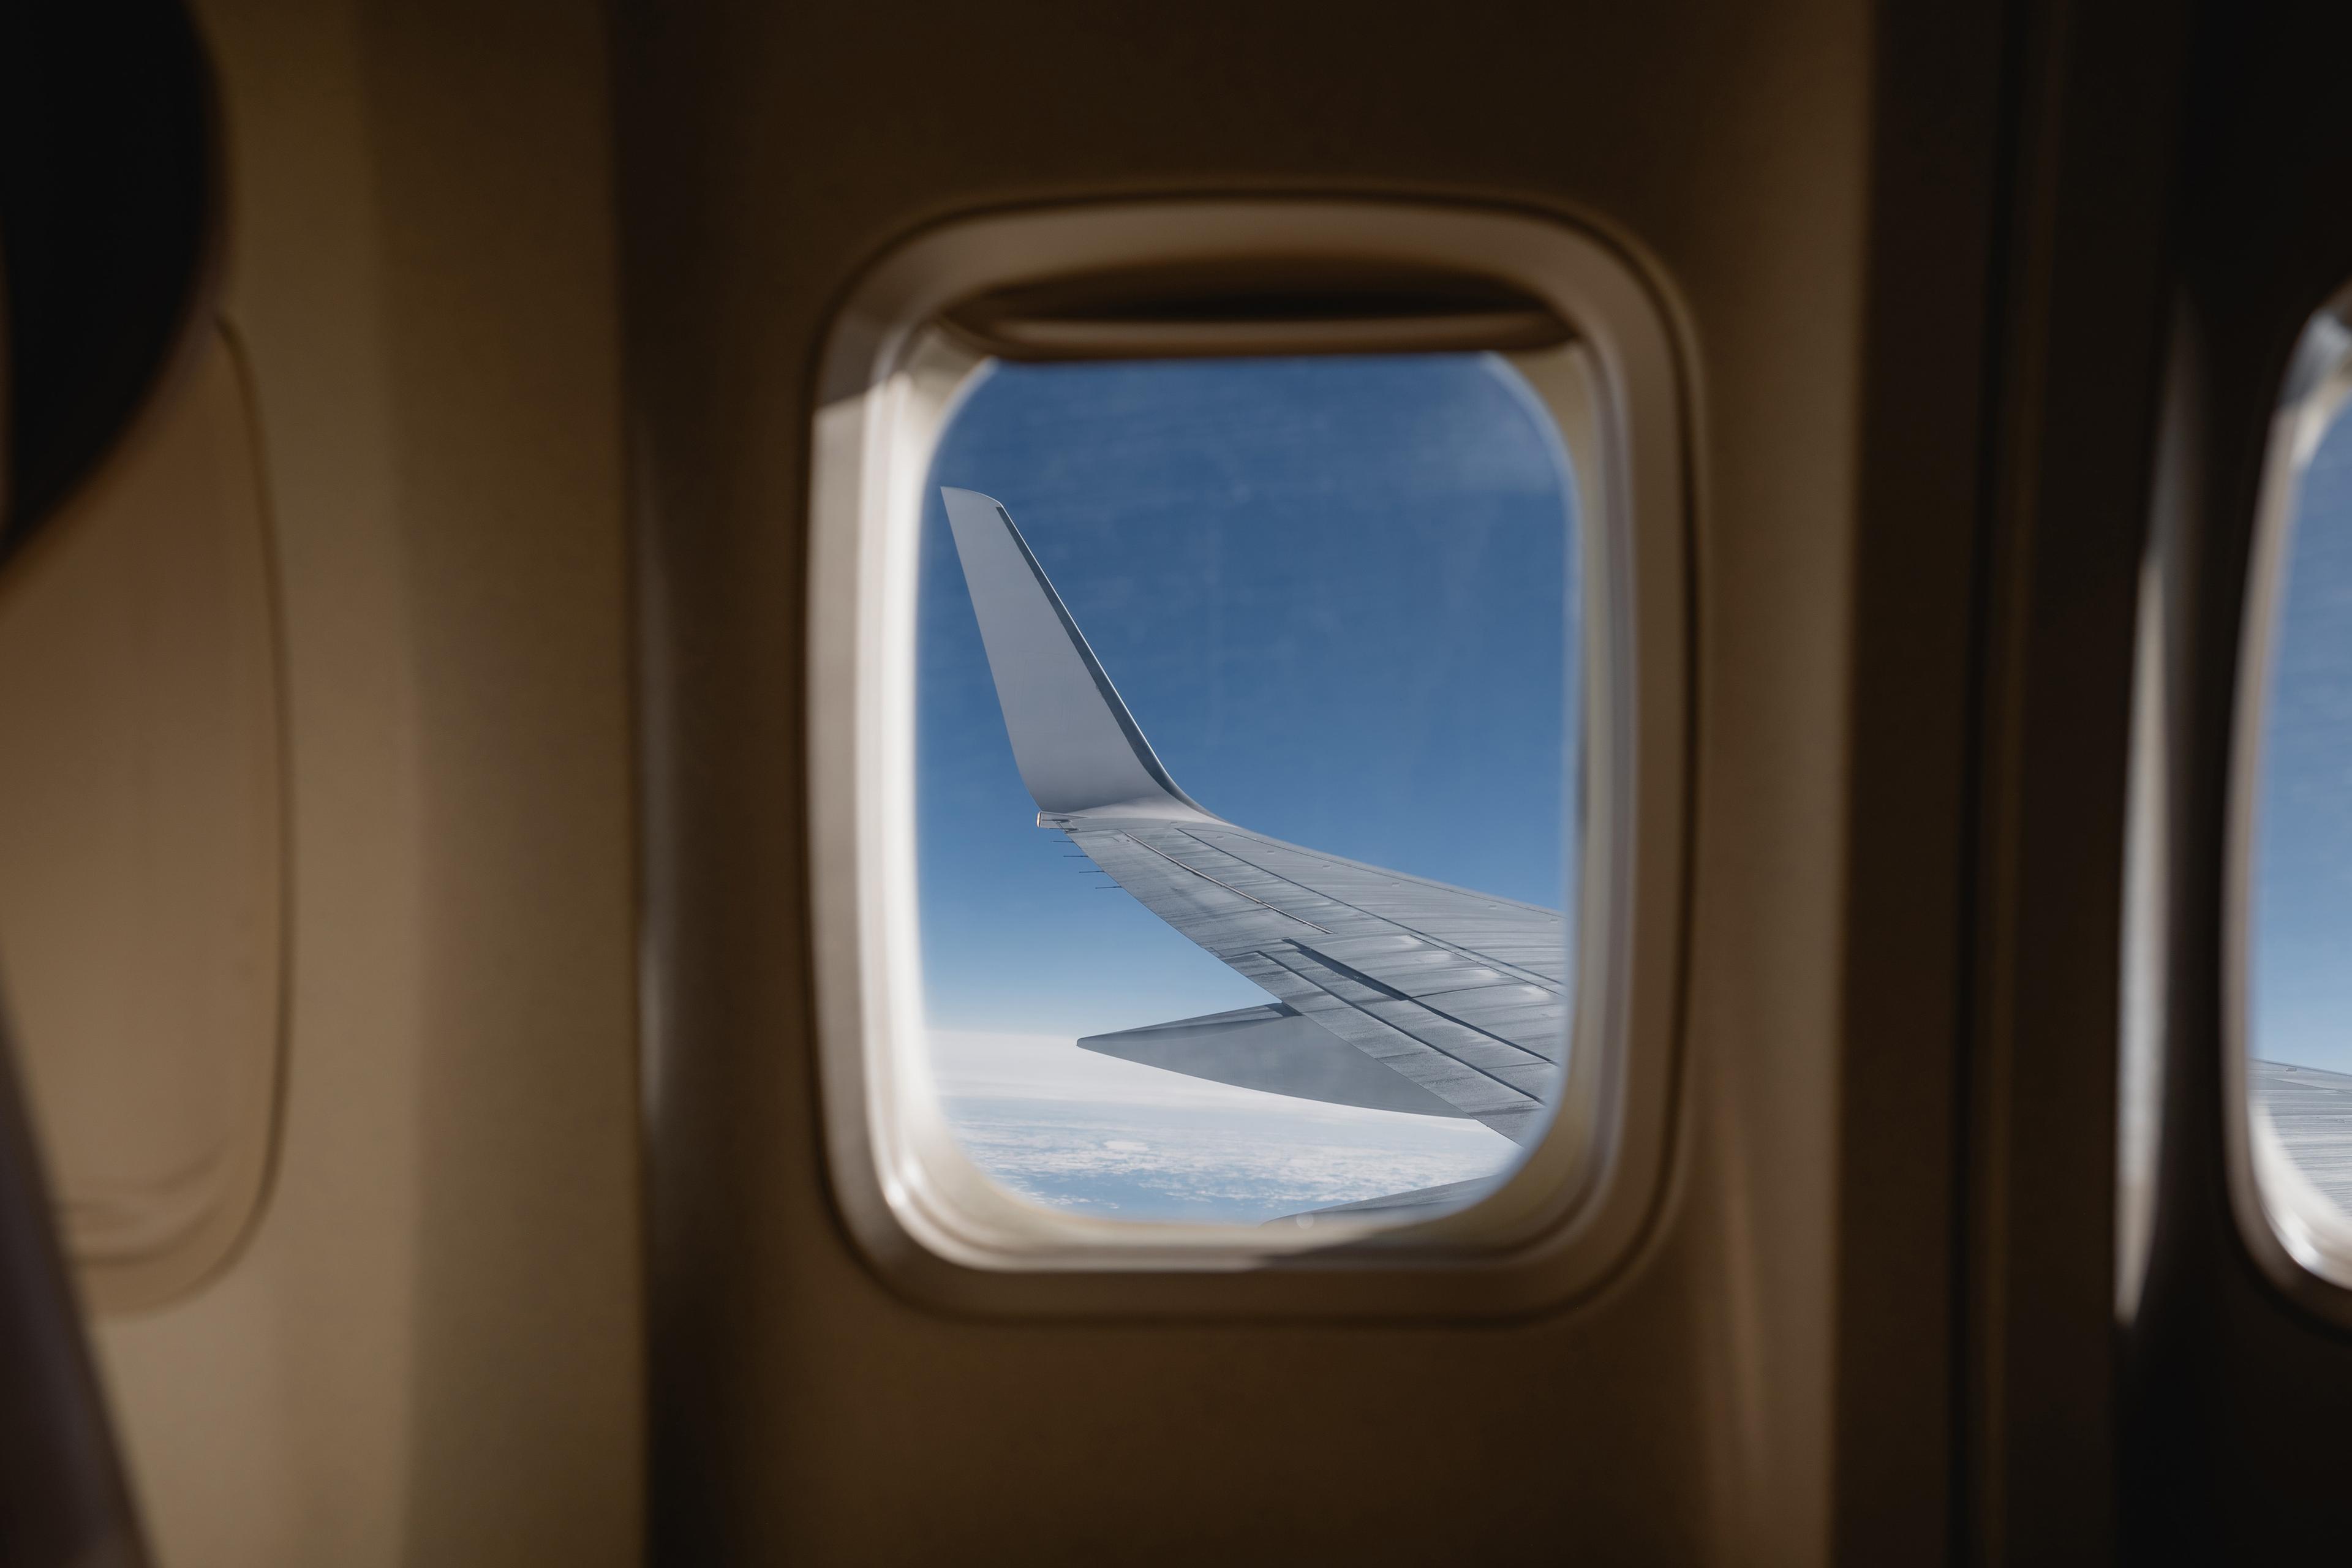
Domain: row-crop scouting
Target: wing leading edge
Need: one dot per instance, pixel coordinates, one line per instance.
(1459, 996)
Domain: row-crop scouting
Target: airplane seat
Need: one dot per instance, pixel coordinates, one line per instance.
(109, 215)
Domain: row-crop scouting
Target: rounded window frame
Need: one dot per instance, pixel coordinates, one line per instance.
(1580, 1200)
(2300, 1240)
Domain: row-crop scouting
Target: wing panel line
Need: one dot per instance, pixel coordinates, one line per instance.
(1385, 989)
(1513, 1089)
(1517, 972)
(1270, 909)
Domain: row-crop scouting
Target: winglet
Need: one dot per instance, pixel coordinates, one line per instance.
(1077, 746)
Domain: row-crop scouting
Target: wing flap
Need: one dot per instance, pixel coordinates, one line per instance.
(1412, 1003)
(1274, 1048)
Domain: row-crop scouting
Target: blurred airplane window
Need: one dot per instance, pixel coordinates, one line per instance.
(2298, 966)
(1247, 726)
(143, 873)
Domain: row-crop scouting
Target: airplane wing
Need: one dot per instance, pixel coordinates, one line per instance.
(1389, 989)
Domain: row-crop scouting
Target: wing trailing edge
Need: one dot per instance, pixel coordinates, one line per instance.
(1274, 1048)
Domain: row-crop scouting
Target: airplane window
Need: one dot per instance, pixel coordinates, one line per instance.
(1247, 724)
(2297, 963)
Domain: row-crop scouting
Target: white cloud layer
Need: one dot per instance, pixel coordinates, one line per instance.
(1088, 1134)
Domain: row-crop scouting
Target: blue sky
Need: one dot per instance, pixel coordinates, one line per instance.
(2301, 997)
(1335, 593)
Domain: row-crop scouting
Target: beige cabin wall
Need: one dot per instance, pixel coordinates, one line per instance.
(428, 1352)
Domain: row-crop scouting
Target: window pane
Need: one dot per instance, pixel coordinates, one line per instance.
(1247, 703)
(2299, 1023)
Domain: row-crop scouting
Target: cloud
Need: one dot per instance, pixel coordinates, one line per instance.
(1093, 1134)
(1193, 1164)
(973, 1065)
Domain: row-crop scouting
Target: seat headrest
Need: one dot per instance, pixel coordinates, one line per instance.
(109, 203)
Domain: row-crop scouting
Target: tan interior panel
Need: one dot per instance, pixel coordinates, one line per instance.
(142, 846)
(427, 1349)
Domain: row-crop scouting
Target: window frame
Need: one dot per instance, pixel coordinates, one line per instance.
(1579, 1202)
(2300, 1240)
